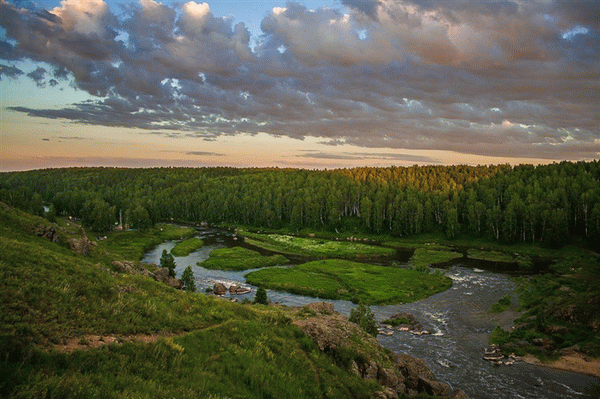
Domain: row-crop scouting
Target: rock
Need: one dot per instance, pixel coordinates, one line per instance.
(389, 378)
(321, 308)
(541, 342)
(47, 232)
(387, 393)
(459, 395)
(409, 316)
(554, 329)
(80, 245)
(236, 290)
(220, 289)
(434, 388)
(123, 266)
(572, 350)
(132, 268)
(162, 275)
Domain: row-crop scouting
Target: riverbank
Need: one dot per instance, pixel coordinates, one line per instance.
(576, 363)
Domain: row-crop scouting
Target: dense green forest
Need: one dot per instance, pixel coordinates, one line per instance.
(534, 204)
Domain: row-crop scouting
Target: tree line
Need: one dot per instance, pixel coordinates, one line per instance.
(537, 204)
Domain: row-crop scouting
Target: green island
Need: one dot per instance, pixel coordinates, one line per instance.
(492, 256)
(356, 282)
(423, 258)
(314, 247)
(239, 258)
(184, 248)
(502, 305)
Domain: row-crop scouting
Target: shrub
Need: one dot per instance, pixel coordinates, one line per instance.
(498, 336)
(364, 317)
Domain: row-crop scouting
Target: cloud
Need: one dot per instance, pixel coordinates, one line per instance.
(10, 71)
(362, 156)
(422, 74)
(38, 76)
(204, 154)
(367, 7)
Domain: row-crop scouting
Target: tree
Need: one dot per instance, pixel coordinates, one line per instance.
(167, 260)
(138, 217)
(187, 279)
(261, 296)
(364, 317)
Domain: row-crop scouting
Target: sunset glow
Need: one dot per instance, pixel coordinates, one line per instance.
(308, 84)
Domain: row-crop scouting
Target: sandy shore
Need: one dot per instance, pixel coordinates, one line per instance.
(576, 363)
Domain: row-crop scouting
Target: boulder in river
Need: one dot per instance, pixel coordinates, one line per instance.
(237, 290)
(220, 289)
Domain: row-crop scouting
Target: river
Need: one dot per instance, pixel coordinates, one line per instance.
(457, 319)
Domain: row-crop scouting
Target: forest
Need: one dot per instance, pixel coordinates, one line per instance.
(545, 204)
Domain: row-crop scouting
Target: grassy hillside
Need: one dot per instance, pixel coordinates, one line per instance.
(50, 295)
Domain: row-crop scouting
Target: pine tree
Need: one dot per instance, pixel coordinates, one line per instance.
(261, 296)
(187, 279)
(167, 260)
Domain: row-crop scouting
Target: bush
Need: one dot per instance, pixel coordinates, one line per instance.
(364, 317)
(498, 336)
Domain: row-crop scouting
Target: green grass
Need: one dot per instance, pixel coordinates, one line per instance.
(397, 321)
(240, 359)
(171, 231)
(132, 245)
(315, 247)
(423, 258)
(502, 305)
(129, 245)
(493, 256)
(239, 258)
(356, 282)
(184, 248)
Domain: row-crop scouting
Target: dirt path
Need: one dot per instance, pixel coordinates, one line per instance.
(95, 341)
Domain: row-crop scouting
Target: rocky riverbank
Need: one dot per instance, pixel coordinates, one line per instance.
(361, 353)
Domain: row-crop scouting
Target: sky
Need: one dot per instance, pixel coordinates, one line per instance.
(302, 84)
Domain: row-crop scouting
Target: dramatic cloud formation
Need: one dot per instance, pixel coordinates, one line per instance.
(513, 78)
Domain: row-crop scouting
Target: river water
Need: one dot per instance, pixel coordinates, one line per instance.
(457, 319)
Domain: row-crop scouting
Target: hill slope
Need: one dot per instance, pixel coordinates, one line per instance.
(159, 342)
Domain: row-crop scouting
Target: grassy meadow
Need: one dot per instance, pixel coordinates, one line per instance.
(356, 282)
(239, 258)
(315, 247)
(186, 247)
